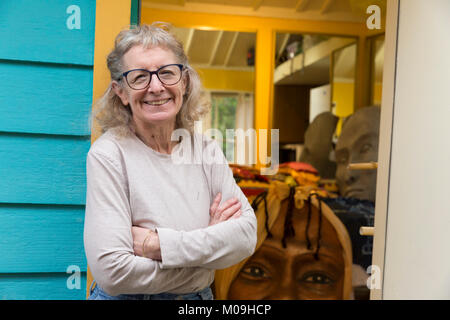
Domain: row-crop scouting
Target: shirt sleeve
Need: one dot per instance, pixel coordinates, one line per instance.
(108, 239)
(218, 246)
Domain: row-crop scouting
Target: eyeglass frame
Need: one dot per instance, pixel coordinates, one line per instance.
(179, 65)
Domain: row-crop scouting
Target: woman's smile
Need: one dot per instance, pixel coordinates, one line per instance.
(158, 102)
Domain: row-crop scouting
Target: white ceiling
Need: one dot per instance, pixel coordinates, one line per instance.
(212, 48)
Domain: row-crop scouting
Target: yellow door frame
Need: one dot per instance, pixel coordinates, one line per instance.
(111, 16)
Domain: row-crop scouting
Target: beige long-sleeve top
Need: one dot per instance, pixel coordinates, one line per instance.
(128, 183)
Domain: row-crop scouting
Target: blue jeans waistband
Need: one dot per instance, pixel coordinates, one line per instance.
(98, 293)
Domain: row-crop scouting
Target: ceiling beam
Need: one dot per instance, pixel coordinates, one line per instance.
(231, 48)
(326, 6)
(216, 46)
(188, 44)
(301, 5)
(228, 20)
(256, 4)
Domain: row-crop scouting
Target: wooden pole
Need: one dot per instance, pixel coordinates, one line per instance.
(363, 166)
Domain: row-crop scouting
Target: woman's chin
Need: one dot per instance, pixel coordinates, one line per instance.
(159, 117)
(159, 113)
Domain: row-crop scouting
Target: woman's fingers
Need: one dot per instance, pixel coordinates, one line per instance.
(228, 213)
(227, 204)
(215, 204)
(223, 212)
(236, 215)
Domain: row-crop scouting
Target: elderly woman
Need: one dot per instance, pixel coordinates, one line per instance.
(156, 228)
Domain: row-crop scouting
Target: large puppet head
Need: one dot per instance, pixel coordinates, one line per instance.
(318, 144)
(303, 252)
(358, 143)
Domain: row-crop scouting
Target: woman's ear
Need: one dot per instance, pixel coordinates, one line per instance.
(120, 92)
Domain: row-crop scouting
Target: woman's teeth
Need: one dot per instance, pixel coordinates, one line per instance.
(157, 102)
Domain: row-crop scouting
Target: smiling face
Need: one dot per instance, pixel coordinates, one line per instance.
(292, 273)
(157, 104)
(358, 143)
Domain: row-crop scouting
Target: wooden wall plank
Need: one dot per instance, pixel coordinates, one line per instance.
(45, 286)
(45, 98)
(43, 169)
(41, 238)
(60, 31)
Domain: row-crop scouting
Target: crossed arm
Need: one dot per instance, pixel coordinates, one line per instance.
(146, 241)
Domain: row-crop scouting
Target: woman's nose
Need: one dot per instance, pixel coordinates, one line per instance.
(155, 84)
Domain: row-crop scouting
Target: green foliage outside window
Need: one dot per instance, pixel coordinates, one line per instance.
(223, 117)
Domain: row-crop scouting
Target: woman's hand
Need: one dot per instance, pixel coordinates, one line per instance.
(230, 209)
(151, 245)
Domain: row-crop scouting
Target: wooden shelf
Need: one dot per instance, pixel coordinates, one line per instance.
(311, 67)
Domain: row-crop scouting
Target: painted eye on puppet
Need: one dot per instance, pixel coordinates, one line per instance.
(342, 159)
(317, 278)
(255, 273)
(366, 148)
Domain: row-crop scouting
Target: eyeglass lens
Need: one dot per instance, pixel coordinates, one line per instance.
(140, 79)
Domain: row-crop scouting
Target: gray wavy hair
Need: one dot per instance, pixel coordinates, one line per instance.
(109, 110)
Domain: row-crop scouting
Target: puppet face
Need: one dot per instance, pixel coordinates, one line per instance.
(293, 273)
(358, 143)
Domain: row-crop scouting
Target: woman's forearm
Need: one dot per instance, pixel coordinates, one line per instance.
(146, 243)
(215, 247)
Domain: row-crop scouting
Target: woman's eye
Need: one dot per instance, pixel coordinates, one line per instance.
(255, 272)
(317, 278)
(166, 75)
(139, 79)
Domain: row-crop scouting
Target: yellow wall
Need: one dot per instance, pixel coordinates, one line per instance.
(228, 80)
(110, 18)
(343, 97)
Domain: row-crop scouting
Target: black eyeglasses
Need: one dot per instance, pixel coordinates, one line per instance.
(139, 79)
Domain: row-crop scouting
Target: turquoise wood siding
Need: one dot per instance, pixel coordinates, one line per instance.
(60, 93)
(37, 31)
(38, 286)
(46, 66)
(42, 169)
(41, 238)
